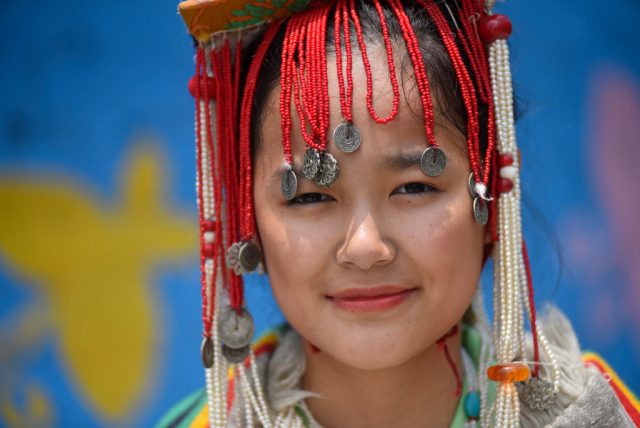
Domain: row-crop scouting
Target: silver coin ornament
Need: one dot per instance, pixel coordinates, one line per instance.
(328, 172)
(206, 351)
(311, 163)
(538, 394)
(232, 258)
(249, 257)
(433, 161)
(236, 355)
(472, 185)
(289, 184)
(346, 137)
(480, 211)
(236, 329)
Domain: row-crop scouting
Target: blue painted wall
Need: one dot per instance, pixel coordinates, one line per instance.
(94, 110)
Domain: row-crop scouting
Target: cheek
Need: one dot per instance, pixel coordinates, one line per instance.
(295, 257)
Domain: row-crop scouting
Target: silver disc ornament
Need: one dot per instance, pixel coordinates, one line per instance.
(249, 257)
(232, 258)
(236, 329)
(206, 351)
(346, 137)
(289, 184)
(538, 394)
(480, 211)
(433, 161)
(311, 163)
(472, 185)
(236, 355)
(328, 172)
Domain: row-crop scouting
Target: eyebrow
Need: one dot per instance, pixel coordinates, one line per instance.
(278, 172)
(400, 161)
(395, 162)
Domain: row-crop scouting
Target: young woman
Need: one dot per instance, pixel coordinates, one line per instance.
(363, 154)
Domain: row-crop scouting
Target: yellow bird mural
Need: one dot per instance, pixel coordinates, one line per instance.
(91, 264)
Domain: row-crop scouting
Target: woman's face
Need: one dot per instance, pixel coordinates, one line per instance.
(374, 269)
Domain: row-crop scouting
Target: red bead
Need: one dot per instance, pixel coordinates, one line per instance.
(208, 226)
(505, 160)
(504, 185)
(211, 88)
(208, 251)
(494, 27)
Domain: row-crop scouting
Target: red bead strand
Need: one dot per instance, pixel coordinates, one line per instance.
(422, 80)
(367, 64)
(247, 225)
(442, 344)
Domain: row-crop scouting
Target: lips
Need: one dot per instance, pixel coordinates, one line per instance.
(371, 298)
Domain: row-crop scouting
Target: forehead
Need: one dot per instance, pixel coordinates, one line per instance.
(405, 133)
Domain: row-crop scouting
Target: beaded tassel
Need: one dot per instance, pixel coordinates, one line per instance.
(513, 291)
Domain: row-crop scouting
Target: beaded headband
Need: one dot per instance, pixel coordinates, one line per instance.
(468, 29)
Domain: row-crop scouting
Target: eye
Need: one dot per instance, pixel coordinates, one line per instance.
(414, 188)
(310, 198)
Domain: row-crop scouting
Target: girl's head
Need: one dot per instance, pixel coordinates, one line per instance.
(372, 261)
(375, 268)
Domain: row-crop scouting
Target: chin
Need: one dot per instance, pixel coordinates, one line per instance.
(374, 348)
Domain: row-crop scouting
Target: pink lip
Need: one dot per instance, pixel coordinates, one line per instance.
(371, 299)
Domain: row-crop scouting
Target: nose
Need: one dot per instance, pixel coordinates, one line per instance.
(365, 246)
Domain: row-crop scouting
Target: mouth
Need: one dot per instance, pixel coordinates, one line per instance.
(371, 299)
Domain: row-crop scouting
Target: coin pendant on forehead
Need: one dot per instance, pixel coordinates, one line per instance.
(329, 171)
(249, 257)
(538, 394)
(236, 355)
(433, 161)
(206, 350)
(346, 137)
(311, 164)
(480, 211)
(289, 184)
(236, 329)
(472, 185)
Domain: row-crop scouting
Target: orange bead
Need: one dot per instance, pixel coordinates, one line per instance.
(510, 373)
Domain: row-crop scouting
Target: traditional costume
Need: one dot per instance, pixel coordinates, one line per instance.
(510, 377)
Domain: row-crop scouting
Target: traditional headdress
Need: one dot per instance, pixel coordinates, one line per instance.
(475, 40)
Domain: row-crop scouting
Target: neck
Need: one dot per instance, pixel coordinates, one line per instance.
(417, 393)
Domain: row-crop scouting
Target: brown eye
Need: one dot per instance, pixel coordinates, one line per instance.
(310, 198)
(414, 188)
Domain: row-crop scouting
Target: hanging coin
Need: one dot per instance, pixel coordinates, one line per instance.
(249, 257)
(311, 163)
(480, 211)
(433, 161)
(289, 184)
(472, 185)
(236, 329)
(206, 351)
(328, 172)
(236, 355)
(346, 137)
(233, 256)
(538, 394)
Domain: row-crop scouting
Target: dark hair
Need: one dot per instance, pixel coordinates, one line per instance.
(442, 77)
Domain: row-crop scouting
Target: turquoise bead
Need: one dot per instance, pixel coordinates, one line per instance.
(472, 404)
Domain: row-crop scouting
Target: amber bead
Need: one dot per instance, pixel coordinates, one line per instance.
(510, 373)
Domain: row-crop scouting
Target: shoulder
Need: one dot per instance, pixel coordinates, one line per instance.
(589, 392)
(192, 411)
